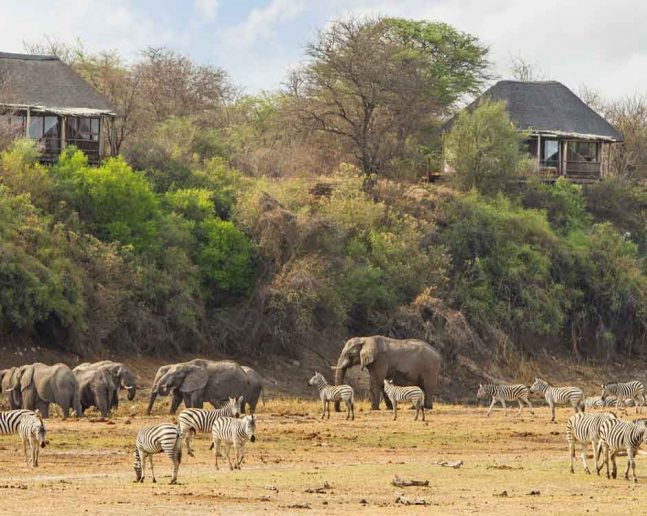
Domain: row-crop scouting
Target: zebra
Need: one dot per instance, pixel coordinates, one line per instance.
(411, 393)
(559, 396)
(232, 432)
(160, 438)
(618, 435)
(328, 393)
(630, 390)
(597, 402)
(585, 428)
(194, 420)
(505, 393)
(32, 432)
(10, 420)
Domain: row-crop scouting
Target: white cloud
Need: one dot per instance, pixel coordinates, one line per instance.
(206, 9)
(262, 23)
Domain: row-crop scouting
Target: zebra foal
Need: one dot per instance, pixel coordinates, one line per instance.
(616, 435)
(585, 428)
(505, 393)
(412, 394)
(328, 393)
(559, 396)
(32, 433)
(232, 432)
(195, 420)
(634, 391)
(160, 438)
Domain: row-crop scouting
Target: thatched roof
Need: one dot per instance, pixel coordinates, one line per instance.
(549, 107)
(45, 83)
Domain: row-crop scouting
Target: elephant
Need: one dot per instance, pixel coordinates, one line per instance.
(198, 381)
(255, 388)
(37, 385)
(13, 397)
(97, 389)
(178, 396)
(407, 362)
(122, 377)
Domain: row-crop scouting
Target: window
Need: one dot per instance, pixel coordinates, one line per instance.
(550, 156)
(583, 151)
(46, 129)
(82, 129)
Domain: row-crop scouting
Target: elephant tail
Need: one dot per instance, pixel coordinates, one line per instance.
(263, 395)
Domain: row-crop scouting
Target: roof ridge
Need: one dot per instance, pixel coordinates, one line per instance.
(29, 57)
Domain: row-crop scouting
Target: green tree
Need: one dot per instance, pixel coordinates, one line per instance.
(484, 148)
(378, 82)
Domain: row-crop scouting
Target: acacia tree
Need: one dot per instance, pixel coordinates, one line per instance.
(377, 83)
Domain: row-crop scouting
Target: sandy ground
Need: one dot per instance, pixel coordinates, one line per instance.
(511, 465)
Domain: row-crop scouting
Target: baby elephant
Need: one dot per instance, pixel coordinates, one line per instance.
(412, 394)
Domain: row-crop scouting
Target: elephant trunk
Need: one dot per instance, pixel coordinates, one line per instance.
(340, 370)
(151, 401)
(132, 390)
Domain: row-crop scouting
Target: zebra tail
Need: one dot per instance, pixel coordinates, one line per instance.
(178, 446)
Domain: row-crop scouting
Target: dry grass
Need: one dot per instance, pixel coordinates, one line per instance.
(88, 466)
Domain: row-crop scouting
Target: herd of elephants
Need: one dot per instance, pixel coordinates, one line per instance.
(36, 386)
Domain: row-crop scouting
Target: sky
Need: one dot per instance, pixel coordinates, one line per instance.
(599, 44)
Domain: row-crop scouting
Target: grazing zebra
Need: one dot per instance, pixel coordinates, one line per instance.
(10, 420)
(559, 396)
(505, 393)
(233, 432)
(610, 401)
(618, 435)
(329, 393)
(160, 438)
(411, 393)
(194, 420)
(623, 391)
(585, 429)
(32, 432)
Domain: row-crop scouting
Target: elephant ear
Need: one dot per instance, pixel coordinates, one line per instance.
(195, 380)
(26, 376)
(368, 352)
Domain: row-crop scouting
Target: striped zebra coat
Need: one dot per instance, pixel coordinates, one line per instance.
(166, 438)
(596, 402)
(412, 394)
(197, 420)
(328, 393)
(32, 434)
(585, 428)
(231, 432)
(625, 391)
(10, 420)
(503, 393)
(616, 435)
(559, 396)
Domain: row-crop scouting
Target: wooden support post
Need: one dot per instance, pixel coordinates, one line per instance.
(565, 159)
(27, 123)
(538, 153)
(63, 135)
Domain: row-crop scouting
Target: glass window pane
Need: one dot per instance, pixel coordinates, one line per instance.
(551, 153)
(51, 127)
(84, 128)
(583, 151)
(36, 127)
(95, 127)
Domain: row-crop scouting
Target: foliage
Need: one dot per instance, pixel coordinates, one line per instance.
(377, 83)
(484, 148)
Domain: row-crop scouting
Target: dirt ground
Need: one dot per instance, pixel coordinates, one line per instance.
(511, 465)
